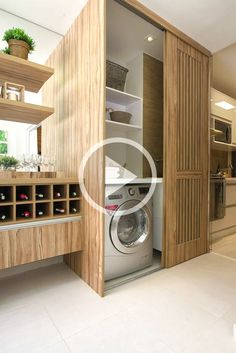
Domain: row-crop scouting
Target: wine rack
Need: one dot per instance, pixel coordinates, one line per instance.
(29, 200)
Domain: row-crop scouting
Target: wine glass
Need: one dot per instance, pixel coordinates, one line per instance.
(52, 161)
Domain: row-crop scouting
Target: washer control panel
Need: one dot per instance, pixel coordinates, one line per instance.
(131, 191)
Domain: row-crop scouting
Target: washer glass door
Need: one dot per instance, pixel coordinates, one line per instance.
(129, 232)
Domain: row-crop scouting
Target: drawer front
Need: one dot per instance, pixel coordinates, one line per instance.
(230, 194)
(228, 221)
(21, 246)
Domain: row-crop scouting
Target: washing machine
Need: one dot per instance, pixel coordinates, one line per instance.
(128, 237)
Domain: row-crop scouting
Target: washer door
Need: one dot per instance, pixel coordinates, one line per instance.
(130, 232)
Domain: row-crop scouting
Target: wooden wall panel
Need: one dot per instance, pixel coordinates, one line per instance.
(27, 245)
(153, 112)
(77, 92)
(186, 141)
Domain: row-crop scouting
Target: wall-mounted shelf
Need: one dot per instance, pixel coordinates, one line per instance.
(221, 146)
(28, 200)
(124, 127)
(23, 112)
(119, 97)
(24, 72)
(215, 132)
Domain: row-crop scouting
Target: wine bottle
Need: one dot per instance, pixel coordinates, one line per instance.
(25, 214)
(57, 195)
(40, 213)
(73, 194)
(2, 217)
(23, 196)
(40, 196)
(59, 210)
(2, 196)
(73, 210)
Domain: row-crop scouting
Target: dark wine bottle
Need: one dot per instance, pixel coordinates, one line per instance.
(23, 196)
(25, 214)
(2, 196)
(59, 210)
(2, 217)
(73, 194)
(40, 213)
(57, 195)
(40, 196)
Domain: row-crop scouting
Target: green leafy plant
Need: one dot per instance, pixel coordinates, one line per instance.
(19, 34)
(7, 162)
(6, 50)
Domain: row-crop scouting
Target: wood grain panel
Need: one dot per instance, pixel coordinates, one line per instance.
(160, 22)
(186, 151)
(23, 112)
(77, 92)
(18, 247)
(153, 112)
(23, 72)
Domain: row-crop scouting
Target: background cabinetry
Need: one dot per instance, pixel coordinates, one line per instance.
(229, 115)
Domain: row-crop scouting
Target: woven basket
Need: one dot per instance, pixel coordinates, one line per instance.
(115, 76)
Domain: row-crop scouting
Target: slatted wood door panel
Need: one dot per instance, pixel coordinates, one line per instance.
(186, 151)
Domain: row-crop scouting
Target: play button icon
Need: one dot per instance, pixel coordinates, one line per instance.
(116, 174)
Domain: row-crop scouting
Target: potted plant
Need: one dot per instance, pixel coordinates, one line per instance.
(8, 162)
(20, 44)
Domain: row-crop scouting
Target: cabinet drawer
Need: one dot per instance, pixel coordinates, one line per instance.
(21, 246)
(230, 194)
(228, 221)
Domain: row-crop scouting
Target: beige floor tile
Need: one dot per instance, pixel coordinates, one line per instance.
(26, 330)
(60, 347)
(190, 308)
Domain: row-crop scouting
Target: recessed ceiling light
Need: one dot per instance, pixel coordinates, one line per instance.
(225, 105)
(150, 38)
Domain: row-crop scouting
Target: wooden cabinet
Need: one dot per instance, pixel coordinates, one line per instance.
(21, 246)
(28, 200)
(186, 157)
(77, 91)
(226, 225)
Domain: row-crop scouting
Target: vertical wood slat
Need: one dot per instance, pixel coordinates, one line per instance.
(77, 91)
(186, 141)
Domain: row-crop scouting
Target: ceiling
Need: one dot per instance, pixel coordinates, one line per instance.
(224, 70)
(210, 22)
(56, 15)
(126, 33)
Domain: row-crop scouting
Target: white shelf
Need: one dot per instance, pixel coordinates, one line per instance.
(221, 146)
(122, 98)
(126, 127)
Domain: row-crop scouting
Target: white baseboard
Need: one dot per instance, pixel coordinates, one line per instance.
(32, 266)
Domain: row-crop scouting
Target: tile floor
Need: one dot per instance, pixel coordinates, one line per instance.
(225, 246)
(188, 309)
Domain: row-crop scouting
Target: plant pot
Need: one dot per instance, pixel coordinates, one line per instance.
(18, 48)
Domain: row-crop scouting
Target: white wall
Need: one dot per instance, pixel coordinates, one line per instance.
(46, 41)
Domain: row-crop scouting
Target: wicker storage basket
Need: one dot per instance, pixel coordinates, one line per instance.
(115, 76)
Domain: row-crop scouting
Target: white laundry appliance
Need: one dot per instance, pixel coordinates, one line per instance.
(128, 237)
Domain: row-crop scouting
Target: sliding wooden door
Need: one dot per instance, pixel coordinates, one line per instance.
(186, 126)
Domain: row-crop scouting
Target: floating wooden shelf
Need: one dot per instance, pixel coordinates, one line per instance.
(13, 207)
(23, 112)
(24, 72)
